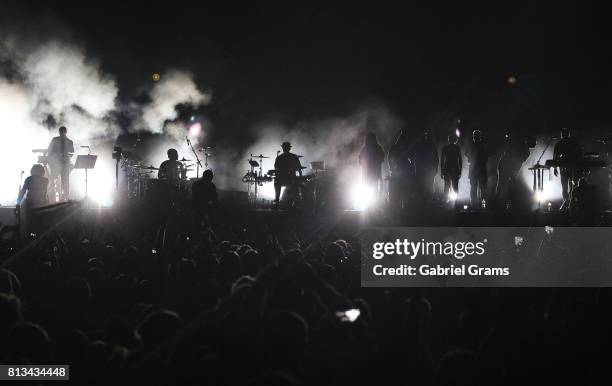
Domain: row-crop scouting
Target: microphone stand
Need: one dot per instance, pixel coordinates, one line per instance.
(538, 173)
(199, 163)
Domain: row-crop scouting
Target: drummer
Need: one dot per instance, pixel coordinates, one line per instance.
(171, 170)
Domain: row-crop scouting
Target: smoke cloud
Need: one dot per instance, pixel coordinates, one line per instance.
(44, 86)
(336, 141)
(175, 87)
(54, 83)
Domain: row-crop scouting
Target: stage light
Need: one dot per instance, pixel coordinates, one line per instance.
(457, 133)
(156, 77)
(192, 118)
(195, 129)
(362, 196)
(452, 195)
(512, 80)
(101, 185)
(539, 196)
(348, 315)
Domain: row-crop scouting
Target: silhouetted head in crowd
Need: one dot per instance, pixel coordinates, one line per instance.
(30, 341)
(208, 175)
(157, 327)
(63, 131)
(9, 283)
(10, 312)
(456, 368)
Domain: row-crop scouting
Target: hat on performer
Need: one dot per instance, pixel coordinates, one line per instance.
(286, 144)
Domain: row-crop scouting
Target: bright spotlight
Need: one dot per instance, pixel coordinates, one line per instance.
(362, 196)
(457, 133)
(452, 195)
(195, 129)
(348, 315)
(539, 196)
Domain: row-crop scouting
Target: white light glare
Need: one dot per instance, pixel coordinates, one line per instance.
(539, 196)
(452, 195)
(362, 196)
(348, 315)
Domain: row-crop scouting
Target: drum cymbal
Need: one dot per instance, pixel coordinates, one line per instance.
(303, 167)
(189, 170)
(184, 160)
(149, 168)
(259, 156)
(299, 156)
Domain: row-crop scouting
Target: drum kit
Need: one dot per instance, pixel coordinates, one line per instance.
(141, 180)
(255, 178)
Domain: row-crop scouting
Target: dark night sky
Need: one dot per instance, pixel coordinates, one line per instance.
(296, 61)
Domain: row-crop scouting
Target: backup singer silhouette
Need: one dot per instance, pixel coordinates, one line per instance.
(425, 157)
(204, 198)
(514, 154)
(59, 152)
(402, 171)
(567, 152)
(478, 157)
(451, 164)
(286, 165)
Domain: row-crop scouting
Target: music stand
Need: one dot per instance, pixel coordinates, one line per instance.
(85, 162)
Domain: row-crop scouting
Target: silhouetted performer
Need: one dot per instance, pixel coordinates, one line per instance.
(451, 164)
(402, 170)
(568, 153)
(59, 152)
(478, 156)
(34, 190)
(514, 154)
(371, 158)
(203, 197)
(286, 165)
(33, 194)
(426, 161)
(171, 169)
